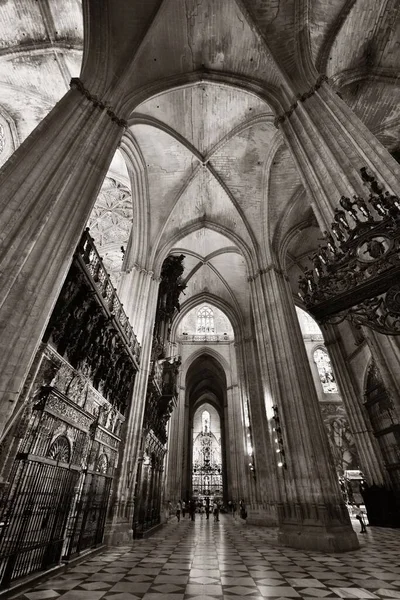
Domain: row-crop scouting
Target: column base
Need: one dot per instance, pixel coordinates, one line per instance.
(258, 514)
(322, 539)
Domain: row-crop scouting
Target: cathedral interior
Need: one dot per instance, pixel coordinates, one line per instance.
(199, 299)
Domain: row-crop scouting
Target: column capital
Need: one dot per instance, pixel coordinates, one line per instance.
(230, 387)
(148, 272)
(77, 84)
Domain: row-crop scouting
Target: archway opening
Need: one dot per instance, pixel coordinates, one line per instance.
(207, 454)
(206, 397)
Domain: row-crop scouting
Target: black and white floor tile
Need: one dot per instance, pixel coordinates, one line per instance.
(226, 561)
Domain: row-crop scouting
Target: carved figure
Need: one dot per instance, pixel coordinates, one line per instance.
(340, 218)
(362, 207)
(377, 204)
(330, 243)
(318, 265)
(392, 205)
(309, 275)
(323, 255)
(338, 232)
(303, 285)
(347, 204)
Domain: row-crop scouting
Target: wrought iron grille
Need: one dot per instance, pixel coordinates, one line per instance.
(86, 523)
(33, 516)
(56, 503)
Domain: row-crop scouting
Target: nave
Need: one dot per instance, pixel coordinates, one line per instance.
(203, 560)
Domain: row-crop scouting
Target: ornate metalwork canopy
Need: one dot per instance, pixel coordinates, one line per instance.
(356, 275)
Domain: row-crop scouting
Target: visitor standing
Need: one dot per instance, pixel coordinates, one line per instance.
(192, 509)
(178, 510)
(360, 518)
(183, 509)
(216, 511)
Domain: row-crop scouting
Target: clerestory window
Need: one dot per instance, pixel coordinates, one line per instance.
(205, 320)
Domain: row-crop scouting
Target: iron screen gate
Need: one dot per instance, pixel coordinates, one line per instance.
(34, 516)
(86, 526)
(59, 488)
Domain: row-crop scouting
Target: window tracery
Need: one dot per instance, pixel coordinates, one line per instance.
(325, 372)
(205, 320)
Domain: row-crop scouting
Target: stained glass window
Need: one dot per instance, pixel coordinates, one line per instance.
(206, 421)
(325, 372)
(205, 320)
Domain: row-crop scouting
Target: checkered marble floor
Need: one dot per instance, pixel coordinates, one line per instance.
(206, 561)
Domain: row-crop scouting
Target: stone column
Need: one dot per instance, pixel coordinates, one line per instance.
(234, 439)
(386, 354)
(330, 144)
(173, 480)
(48, 188)
(144, 305)
(311, 512)
(372, 464)
(262, 510)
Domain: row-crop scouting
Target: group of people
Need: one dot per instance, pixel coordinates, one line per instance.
(191, 507)
(205, 507)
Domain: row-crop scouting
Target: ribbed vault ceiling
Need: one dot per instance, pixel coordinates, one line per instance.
(218, 183)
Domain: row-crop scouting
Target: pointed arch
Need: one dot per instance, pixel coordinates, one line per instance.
(262, 90)
(207, 298)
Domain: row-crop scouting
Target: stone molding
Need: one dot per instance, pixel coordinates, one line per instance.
(231, 387)
(78, 85)
(140, 269)
(267, 270)
(300, 98)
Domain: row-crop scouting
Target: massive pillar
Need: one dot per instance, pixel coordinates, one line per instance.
(330, 145)
(385, 351)
(261, 508)
(311, 511)
(175, 486)
(143, 304)
(48, 188)
(366, 443)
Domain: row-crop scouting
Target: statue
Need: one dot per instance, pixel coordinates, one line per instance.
(330, 242)
(323, 255)
(303, 285)
(338, 232)
(362, 207)
(309, 275)
(376, 203)
(340, 218)
(318, 265)
(347, 204)
(392, 204)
